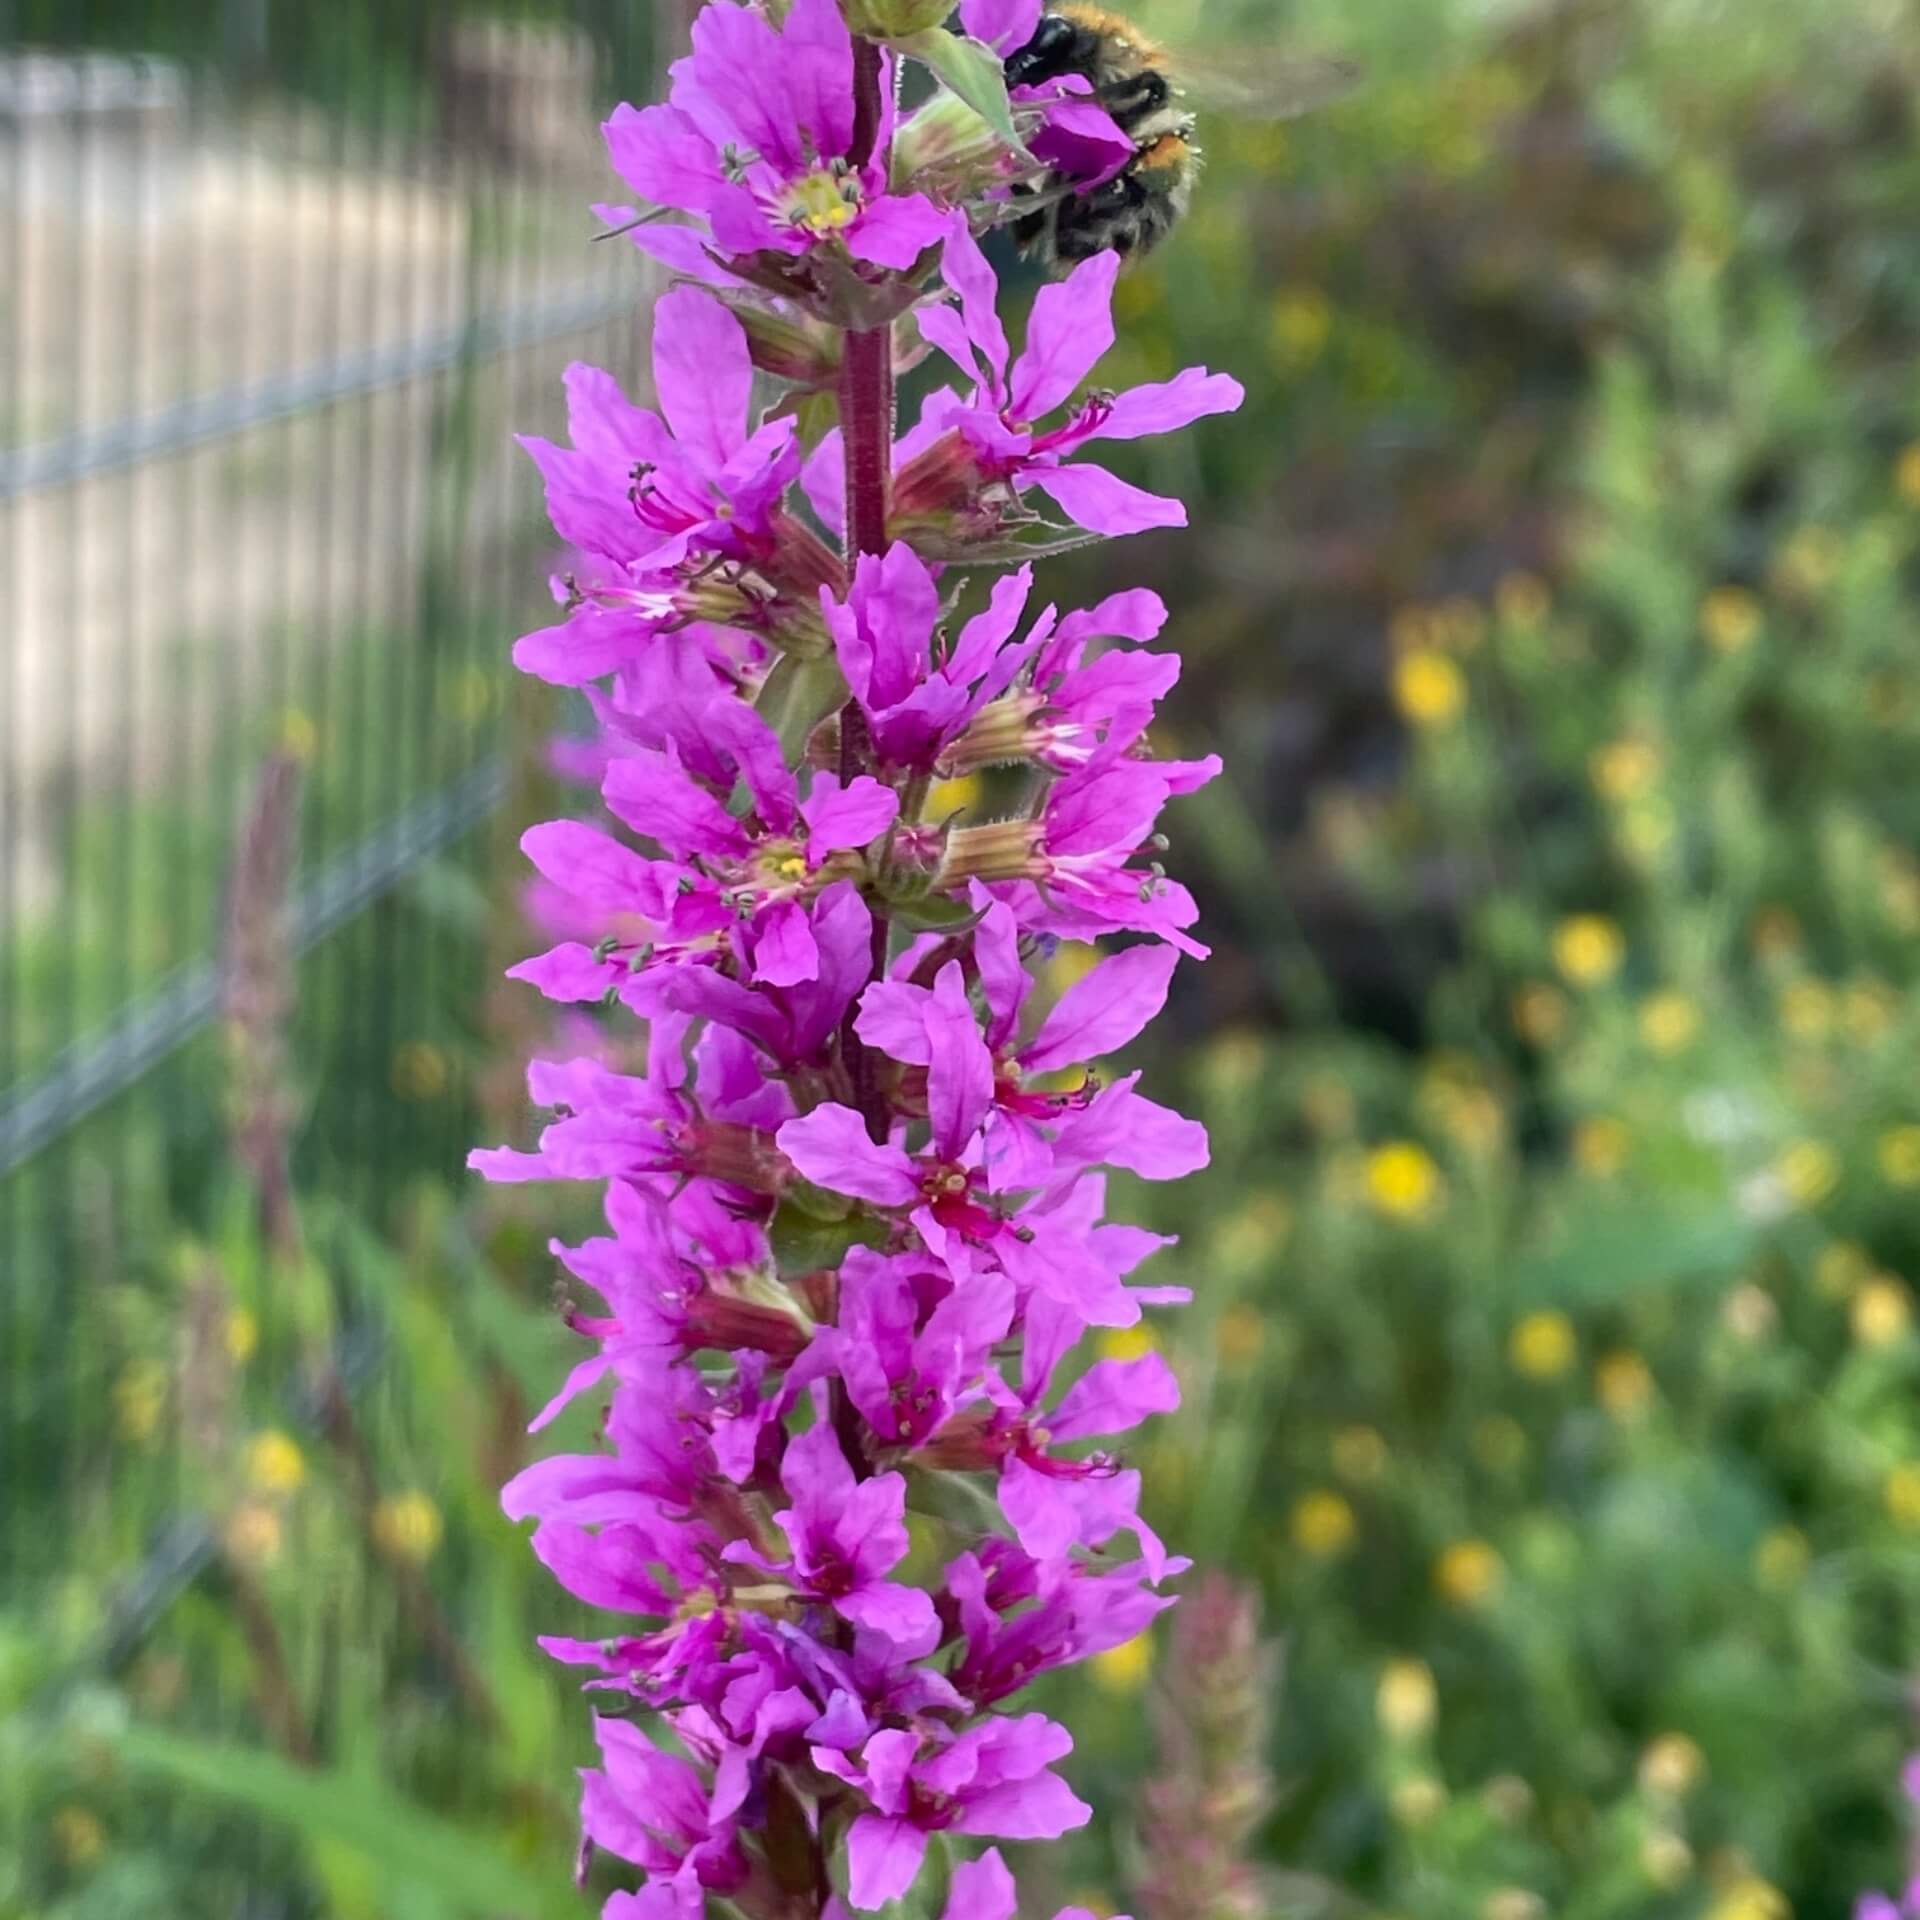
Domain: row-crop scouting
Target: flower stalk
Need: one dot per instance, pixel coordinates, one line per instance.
(855, 1198)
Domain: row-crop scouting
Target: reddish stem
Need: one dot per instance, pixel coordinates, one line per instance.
(866, 425)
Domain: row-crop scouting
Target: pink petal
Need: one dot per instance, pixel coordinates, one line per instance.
(883, 1860)
(895, 231)
(841, 817)
(584, 861)
(784, 950)
(831, 1148)
(1104, 1011)
(703, 372)
(1093, 498)
(1070, 329)
(1189, 396)
(983, 1889)
(1006, 26)
(893, 1017)
(1042, 1808)
(960, 1078)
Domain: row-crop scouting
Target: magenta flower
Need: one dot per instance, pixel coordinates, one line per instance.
(908, 1368)
(655, 1810)
(993, 1780)
(846, 1534)
(1070, 331)
(855, 1212)
(651, 502)
(757, 138)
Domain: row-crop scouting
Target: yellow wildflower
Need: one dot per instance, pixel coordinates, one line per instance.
(253, 1534)
(1906, 474)
(1902, 1494)
(1254, 1234)
(1808, 1171)
(1323, 1525)
(1871, 1008)
(1512, 1903)
(1624, 768)
(1841, 1268)
(1600, 1146)
(1669, 1022)
(1406, 1701)
(1468, 1573)
(420, 1071)
(1750, 1898)
(78, 1836)
(274, 1463)
(299, 738)
(1672, 1766)
(1806, 1009)
(1777, 933)
(1749, 1313)
(407, 1526)
(1730, 619)
(1234, 1064)
(1543, 1346)
(139, 1399)
(1899, 1154)
(472, 694)
(1418, 1800)
(1359, 1455)
(1523, 599)
(1782, 1556)
(1403, 1182)
(1588, 948)
(1809, 560)
(1623, 1383)
(1124, 1669)
(243, 1336)
(1508, 1798)
(1239, 1337)
(1882, 1312)
(1301, 322)
(1665, 1858)
(1428, 688)
(1539, 1014)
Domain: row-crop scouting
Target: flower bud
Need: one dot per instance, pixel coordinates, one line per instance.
(789, 344)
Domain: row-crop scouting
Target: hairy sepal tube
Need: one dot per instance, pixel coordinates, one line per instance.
(850, 1487)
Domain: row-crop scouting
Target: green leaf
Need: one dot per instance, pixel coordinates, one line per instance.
(415, 1851)
(933, 913)
(797, 696)
(803, 1244)
(970, 69)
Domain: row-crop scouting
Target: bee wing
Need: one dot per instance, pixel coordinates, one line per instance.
(1262, 83)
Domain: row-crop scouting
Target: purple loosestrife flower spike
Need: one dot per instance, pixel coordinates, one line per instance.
(852, 1155)
(1213, 1714)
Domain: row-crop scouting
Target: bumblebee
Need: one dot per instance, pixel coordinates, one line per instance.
(1144, 90)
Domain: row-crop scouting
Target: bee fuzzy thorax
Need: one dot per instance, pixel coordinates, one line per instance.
(1135, 209)
(1144, 92)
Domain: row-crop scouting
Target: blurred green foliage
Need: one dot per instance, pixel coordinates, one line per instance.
(1553, 1368)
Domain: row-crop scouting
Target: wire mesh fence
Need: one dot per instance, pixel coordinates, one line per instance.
(277, 283)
